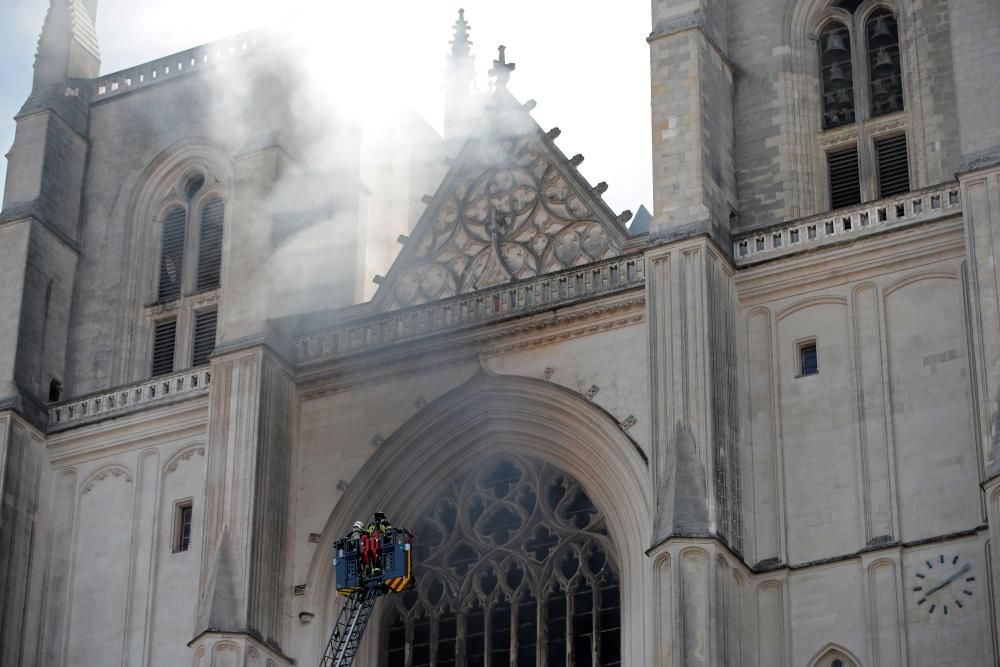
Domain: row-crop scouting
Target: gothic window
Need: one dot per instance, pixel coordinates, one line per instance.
(836, 76)
(884, 74)
(514, 566)
(185, 310)
(860, 78)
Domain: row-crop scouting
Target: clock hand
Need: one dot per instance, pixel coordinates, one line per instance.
(965, 568)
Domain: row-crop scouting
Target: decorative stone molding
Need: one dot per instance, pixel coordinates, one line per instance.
(113, 471)
(787, 238)
(591, 391)
(547, 374)
(184, 455)
(300, 589)
(629, 422)
(554, 290)
(121, 400)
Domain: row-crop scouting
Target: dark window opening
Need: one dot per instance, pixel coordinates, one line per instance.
(845, 178)
(182, 526)
(893, 166)
(194, 185)
(172, 255)
(204, 337)
(836, 75)
(808, 360)
(849, 5)
(164, 340)
(55, 391)
(210, 245)
(495, 586)
(884, 72)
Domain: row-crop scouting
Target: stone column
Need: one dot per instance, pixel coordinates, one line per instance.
(245, 586)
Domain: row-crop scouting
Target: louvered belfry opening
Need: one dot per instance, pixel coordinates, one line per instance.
(893, 166)
(172, 256)
(845, 179)
(210, 244)
(836, 74)
(204, 337)
(164, 341)
(884, 74)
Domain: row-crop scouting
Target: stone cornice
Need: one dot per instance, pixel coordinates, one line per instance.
(907, 248)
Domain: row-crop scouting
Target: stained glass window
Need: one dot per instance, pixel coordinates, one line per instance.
(514, 566)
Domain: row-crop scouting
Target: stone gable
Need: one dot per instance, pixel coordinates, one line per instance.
(512, 206)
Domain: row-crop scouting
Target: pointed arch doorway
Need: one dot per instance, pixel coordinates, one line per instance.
(550, 436)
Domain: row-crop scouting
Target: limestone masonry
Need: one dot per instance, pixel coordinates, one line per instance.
(760, 426)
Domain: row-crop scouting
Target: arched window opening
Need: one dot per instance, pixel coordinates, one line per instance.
(172, 255)
(884, 74)
(210, 245)
(836, 75)
(514, 565)
(194, 185)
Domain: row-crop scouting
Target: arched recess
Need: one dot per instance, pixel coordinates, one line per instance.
(518, 416)
(146, 197)
(830, 654)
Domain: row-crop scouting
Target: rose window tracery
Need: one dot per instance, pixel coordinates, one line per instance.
(508, 214)
(513, 566)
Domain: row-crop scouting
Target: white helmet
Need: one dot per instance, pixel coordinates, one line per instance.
(358, 525)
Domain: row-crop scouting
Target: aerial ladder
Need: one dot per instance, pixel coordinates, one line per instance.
(370, 561)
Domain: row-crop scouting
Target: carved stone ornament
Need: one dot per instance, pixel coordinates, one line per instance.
(508, 209)
(184, 456)
(113, 472)
(512, 537)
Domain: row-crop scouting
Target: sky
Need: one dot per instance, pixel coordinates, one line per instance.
(586, 66)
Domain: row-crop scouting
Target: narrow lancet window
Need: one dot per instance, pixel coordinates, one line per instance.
(836, 75)
(884, 73)
(172, 256)
(210, 244)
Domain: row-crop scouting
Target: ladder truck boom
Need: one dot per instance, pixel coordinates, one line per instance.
(370, 561)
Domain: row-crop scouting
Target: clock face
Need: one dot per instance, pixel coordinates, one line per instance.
(943, 584)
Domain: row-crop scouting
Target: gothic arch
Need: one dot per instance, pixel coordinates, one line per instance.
(146, 195)
(827, 655)
(523, 417)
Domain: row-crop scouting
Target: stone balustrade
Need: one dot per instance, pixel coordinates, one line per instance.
(174, 65)
(807, 233)
(512, 300)
(110, 403)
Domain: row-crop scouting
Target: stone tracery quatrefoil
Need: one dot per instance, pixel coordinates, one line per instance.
(510, 216)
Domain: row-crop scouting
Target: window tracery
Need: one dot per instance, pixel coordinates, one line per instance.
(861, 79)
(514, 566)
(186, 301)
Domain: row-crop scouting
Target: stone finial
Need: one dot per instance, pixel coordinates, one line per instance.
(67, 47)
(553, 133)
(460, 43)
(576, 160)
(501, 68)
(600, 188)
(625, 216)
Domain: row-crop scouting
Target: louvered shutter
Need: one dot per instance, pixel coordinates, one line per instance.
(845, 181)
(893, 167)
(210, 244)
(204, 337)
(164, 339)
(172, 256)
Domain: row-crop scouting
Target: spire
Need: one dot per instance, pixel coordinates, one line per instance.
(459, 80)
(501, 68)
(67, 47)
(460, 44)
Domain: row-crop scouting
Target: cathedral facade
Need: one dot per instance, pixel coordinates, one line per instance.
(759, 425)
